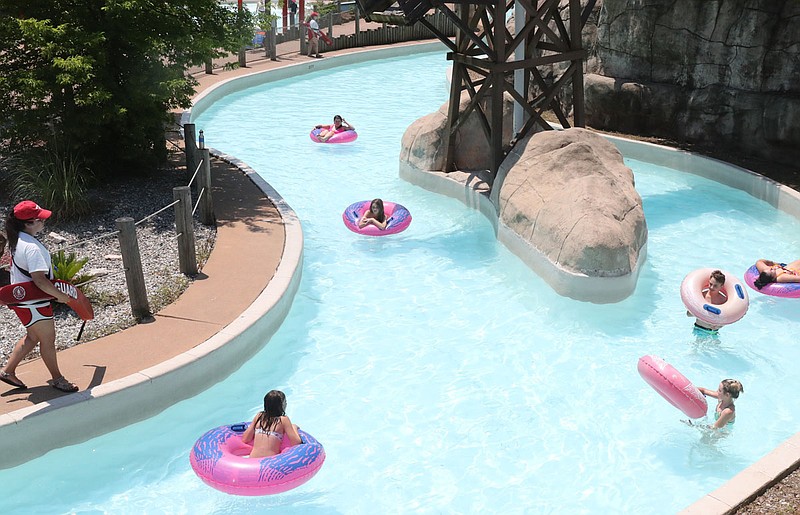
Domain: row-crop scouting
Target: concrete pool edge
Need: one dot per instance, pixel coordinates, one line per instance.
(472, 190)
(144, 394)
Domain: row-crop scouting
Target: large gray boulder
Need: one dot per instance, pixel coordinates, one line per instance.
(423, 145)
(568, 197)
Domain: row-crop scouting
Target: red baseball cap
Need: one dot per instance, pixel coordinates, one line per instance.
(28, 210)
(315, 13)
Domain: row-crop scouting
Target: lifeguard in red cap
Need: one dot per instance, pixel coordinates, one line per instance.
(31, 262)
(313, 36)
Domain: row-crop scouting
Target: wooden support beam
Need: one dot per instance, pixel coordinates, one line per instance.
(498, 87)
(576, 27)
(493, 67)
(459, 23)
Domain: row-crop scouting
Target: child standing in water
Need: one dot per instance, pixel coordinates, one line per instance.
(268, 427)
(374, 215)
(725, 412)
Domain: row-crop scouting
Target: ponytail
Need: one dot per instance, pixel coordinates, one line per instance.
(764, 278)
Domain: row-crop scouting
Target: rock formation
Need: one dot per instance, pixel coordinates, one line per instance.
(423, 147)
(571, 197)
(700, 71)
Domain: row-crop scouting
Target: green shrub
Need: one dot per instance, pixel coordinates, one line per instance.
(67, 268)
(57, 180)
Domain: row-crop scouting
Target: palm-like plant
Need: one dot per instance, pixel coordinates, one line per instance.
(67, 268)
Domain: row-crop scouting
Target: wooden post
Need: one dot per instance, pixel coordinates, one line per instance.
(206, 207)
(575, 26)
(190, 148)
(132, 262)
(330, 25)
(358, 25)
(187, 256)
(273, 47)
(303, 39)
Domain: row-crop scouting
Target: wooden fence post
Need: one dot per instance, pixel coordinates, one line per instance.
(190, 148)
(273, 46)
(206, 206)
(187, 255)
(132, 262)
(358, 25)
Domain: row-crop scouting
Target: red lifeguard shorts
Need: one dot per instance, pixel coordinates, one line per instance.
(30, 315)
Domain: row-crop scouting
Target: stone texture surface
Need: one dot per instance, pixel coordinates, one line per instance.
(700, 71)
(423, 148)
(569, 194)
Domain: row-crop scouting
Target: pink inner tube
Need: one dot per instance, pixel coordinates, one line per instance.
(397, 218)
(340, 137)
(716, 314)
(786, 290)
(218, 458)
(673, 386)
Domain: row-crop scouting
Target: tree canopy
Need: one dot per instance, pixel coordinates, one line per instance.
(99, 77)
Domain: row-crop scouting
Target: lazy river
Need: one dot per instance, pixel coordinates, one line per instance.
(439, 372)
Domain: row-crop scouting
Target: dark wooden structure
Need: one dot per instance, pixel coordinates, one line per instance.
(485, 59)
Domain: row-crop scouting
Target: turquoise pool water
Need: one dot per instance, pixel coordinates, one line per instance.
(440, 373)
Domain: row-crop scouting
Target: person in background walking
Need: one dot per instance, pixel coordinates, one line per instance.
(313, 33)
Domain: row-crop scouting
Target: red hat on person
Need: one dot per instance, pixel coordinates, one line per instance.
(315, 13)
(28, 210)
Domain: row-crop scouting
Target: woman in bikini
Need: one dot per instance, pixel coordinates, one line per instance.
(268, 427)
(30, 261)
(339, 125)
(772, 272)
(374, 215)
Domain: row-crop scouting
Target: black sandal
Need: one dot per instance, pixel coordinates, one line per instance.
(63, 385)
(11, 379)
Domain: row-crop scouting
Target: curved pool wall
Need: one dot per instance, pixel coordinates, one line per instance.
(33, 431)
(205, 99)
(473, 190)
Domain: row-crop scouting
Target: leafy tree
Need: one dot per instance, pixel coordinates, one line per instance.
(100, 76)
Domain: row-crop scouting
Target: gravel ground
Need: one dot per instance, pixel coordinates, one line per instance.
(136, 197)
(781, 499)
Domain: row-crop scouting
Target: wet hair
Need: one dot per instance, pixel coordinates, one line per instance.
(764, 278)
(337, 116)
(274, 409)
(732, 387)
(14, 226)
(718, 276)
(381, 217)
